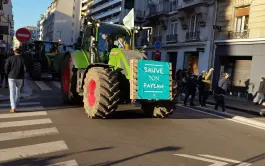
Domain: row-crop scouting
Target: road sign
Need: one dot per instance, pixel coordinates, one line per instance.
(214, 160)
(23, 35)
(12, 33)
(153, 80)
(157, 45)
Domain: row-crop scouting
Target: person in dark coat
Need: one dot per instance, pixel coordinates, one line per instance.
(191, 86)
(220, 91)
(261, 92)
(3, 75)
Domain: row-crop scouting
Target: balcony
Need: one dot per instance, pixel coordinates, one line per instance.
(172, 38)
(107, 13)
(185, 4)
(139, 16)
(105, 5)
(193, 36)
(238, 34)
(158, 9)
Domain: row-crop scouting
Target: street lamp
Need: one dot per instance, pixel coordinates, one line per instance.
(60, 38)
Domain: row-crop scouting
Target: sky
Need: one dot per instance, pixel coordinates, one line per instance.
(28, 12)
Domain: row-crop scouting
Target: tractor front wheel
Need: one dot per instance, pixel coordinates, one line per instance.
(69, 81)
(101, 92)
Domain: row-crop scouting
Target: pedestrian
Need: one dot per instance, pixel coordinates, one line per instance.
(3, 75)
(261, 92)
(191, 88)
(204, 87)
(201, 86)
(220, 91)
(15, 69)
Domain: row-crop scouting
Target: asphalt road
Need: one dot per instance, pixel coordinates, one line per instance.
(187, 138)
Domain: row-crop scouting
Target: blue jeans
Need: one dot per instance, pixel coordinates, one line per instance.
(14, 88)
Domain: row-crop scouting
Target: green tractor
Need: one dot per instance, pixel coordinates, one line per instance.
(43, 58)
(100, 73)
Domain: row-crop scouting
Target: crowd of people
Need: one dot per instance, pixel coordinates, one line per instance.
(189, 83)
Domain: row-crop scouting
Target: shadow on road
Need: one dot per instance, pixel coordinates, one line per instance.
(37, 161)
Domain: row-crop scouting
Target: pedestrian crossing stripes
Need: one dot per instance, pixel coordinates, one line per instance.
(38, 122)
(48, 85)
(32, 150)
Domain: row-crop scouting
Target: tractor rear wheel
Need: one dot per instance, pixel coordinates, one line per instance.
(36, 71)
(101, 92)
(69, 82)
(153, 110)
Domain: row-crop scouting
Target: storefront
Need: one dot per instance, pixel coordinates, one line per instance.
(244, 63)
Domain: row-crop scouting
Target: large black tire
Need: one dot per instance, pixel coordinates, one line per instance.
(69, 82)
(158, 111)
(36, 71)
(101, 92)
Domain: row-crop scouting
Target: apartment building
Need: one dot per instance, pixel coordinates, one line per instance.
(240, 44)
(33, 31)
(61, 22)
(184, 29)
(6, 26)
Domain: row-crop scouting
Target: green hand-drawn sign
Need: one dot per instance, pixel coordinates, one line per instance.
(153, 80)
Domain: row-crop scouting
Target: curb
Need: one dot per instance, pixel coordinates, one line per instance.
(238, 109)
(232, 117)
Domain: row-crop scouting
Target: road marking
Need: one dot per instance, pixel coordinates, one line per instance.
(56, 84)
(42, 85)
(225, 159)
(24, 114)
(31, 150)
(24, 123)
(28, 134)
(214, 162)
(222, 117)
(21, 104)
(67, 163)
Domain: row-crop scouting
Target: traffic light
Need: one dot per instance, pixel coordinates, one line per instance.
(129, 4)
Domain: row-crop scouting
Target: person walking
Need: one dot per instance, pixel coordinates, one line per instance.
(201, 86)
(220, 91)
(192, 83)
(3, 75)
(261, 92)
(204, 87)
(15, 68)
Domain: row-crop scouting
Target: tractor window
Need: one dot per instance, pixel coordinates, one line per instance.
(109, 35)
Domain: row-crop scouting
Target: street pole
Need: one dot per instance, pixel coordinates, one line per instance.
(133, 38)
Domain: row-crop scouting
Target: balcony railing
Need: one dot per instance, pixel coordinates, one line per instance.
(193, 36)
(107, 13)
(238, 34)
(157, 38)
(172, 38)
(158, 9)
(105, 5)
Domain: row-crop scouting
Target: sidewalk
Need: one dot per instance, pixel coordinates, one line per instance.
(240, 104)
(26, 92)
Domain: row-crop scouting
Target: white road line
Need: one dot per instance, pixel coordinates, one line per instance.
(42, 85)
(24, 114)
(24, 109)
(21, 104)
(67, 163)
(56, 84)
(212, 114)
(25, 123)
(225, 159)
(31, 150)
(28, 134)
(215, 163)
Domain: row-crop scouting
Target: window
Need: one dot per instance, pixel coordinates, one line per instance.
(73, 15)
(193, 23)
(241, 20)
(157, 32)
(173, 30)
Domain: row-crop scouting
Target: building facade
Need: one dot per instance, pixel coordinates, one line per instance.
(6, 27)
(240, 44)
(34, 32)
(183, 29)
(61, 22)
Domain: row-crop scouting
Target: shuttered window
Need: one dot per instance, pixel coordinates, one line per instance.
(242, 12)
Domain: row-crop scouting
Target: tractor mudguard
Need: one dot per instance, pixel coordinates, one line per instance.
(120, 59)
(80, 59)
